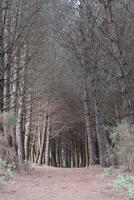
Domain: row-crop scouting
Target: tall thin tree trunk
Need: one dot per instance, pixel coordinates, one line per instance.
(1, 56)
(33, 148)
(14, 95)
(86, 150)
(15, 84)
(27, 126)
(91, 143)
(102, 137)
(58, 153)
(6, 105)
(43, 137)
(47, 143)
(7, 57)
(20, 122)
(53, 153)
(19, 130)
(38, 139)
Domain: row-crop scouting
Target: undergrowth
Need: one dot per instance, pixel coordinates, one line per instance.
(122, 137)
(6, 170)
(124, 183)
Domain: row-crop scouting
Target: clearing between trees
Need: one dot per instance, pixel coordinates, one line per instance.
(48, 183)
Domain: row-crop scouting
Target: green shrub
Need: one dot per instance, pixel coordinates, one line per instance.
(6, 165)
(131, 194)
(119, 183)
(2, 163)
(123, 141)
(124, 183)
(6, 170)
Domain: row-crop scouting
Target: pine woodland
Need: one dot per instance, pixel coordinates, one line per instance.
(66, 82)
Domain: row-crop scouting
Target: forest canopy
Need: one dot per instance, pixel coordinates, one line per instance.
(66, 82)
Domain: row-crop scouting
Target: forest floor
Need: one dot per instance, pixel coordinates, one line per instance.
(47, 183)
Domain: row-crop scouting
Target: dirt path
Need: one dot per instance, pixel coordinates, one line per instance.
(58, 184)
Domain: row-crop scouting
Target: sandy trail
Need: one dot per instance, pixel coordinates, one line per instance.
(58, 184)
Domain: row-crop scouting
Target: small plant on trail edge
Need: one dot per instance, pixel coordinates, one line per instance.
(124, 183)
(131, 193)
(119, 183)
(107, 172)
(6, 170)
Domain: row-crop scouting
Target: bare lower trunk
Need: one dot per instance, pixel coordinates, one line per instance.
(72, 155)
(1, 56)
(19, 131)
(33, 148)
(102, 137)
(27, 127)
(20, 122)
(91, 143)
(39, 140)
(13, 98)
(47, 143)
(53, 153)
(43, 138)
(6, 102)
(58, 152)
(86, 151)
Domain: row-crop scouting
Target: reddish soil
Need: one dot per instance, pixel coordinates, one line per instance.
(45, 183)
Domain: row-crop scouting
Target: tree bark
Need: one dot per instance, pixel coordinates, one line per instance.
(43, 137)
(91, 143)
(38, 140)
(7, 56)
(19, 121)
(58, 152)
(86, 150)
(19, 130)
(27, 126)
(1, 57)
(53, 153)
(102, 137)
(15, 84)
(47, 161)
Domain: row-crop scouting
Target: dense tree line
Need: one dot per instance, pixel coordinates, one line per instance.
(66, 76)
